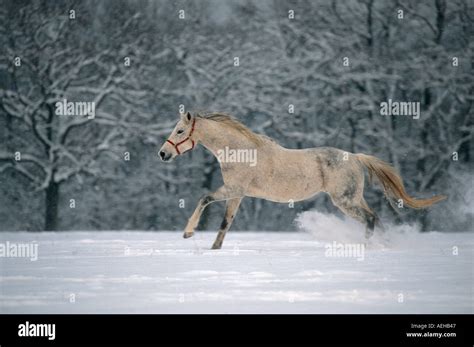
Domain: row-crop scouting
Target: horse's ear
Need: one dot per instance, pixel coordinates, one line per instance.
(186, 117)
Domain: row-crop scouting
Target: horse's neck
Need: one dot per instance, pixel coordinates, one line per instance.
(215, 136)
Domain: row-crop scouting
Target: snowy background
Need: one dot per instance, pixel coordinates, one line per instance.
(311, 73)
(422, 54)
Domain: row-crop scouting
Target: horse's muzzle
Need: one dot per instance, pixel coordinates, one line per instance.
(165, 156)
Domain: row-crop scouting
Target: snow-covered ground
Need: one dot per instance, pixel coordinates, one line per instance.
(402, 271)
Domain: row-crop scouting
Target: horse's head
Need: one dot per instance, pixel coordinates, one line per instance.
(181, 138)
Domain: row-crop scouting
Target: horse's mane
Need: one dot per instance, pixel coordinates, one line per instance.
(232, 122)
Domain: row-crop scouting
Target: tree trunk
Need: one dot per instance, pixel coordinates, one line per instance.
(51, 206)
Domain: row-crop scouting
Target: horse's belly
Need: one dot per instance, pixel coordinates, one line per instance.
(283, 190)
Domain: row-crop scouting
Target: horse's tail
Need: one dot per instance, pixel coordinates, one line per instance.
(393, 183)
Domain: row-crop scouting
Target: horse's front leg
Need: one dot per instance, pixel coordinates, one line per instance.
(196, 216)
(230, 212)
(223, 193)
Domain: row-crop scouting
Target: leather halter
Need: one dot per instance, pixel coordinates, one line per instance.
(186, 139)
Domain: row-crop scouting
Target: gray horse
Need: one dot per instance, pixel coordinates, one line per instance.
(256, 166)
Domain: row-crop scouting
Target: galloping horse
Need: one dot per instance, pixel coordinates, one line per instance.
(280, 174)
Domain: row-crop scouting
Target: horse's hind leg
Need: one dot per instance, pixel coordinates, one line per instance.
(346, 188)
(347, 193)
(232, 206)
(359, 210)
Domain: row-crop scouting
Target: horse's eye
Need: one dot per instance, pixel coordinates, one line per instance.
(180, 131)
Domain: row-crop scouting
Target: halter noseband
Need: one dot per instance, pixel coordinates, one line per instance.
(186, 139)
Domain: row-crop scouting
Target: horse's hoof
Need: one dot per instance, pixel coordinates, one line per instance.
(214, 246)
(187, 235)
